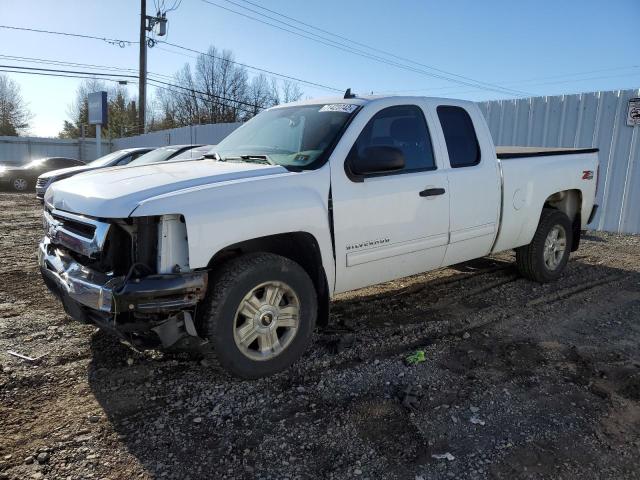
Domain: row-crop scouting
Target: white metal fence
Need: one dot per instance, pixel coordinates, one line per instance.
(19, 150)
(595, 119)
(204, 134)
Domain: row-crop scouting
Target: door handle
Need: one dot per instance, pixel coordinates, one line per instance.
(432, 192)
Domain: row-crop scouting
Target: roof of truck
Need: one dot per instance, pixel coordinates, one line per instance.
(364, 99)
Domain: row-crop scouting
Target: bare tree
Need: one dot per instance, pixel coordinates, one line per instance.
(14, 114)
(291, 91)
(260, 94)
(217, 90)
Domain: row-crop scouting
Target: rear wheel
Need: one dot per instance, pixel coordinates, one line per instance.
(19, 184)
(259, 314)
(546, 257)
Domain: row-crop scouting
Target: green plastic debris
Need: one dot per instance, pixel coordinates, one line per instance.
(416, 357)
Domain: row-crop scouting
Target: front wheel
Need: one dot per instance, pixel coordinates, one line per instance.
(546, 257)
(259, 314)
(19, 184)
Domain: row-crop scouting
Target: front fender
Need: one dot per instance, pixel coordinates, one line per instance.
(223, 214)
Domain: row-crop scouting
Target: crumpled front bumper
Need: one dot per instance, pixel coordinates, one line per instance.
(65, 277)
(153, 294)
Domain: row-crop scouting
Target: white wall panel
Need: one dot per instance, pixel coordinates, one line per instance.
(595, 119)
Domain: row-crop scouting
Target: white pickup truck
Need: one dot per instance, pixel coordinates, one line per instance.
(240, 254)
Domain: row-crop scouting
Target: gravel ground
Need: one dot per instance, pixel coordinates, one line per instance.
(519, 381)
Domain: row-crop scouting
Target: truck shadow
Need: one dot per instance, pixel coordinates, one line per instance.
(181, 418)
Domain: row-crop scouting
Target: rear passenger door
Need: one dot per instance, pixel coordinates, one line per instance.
(393, 224)
(474, 182)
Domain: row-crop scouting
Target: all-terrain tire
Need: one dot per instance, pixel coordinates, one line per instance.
(228, 287)
(530, 259)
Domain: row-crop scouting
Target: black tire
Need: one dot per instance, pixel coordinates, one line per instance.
(229, 285)
(530, 258)
(23, 181)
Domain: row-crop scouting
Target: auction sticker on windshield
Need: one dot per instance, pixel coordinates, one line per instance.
(339, 107)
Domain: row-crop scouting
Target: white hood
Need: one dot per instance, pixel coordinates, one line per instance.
(115, 192)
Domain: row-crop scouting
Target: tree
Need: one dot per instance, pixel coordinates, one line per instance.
(14, 114)
(217, 90)
(121, 117)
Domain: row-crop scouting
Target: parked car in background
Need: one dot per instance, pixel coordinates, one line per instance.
(197, 153)
(117, 158)
(163, 154)
(21, 178)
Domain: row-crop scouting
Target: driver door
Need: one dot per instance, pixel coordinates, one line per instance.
(394, 224)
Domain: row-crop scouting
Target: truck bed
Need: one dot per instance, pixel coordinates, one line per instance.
(519, 152)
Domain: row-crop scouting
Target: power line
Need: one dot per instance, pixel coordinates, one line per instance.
(341, 46)
(241, 102)
(100, 74)
(206, 99)
(112, 41)
(245, 65)
(91, 75)
(46, 61)
(87, 75)
(384, 52)
(539, 78)
(124, 43)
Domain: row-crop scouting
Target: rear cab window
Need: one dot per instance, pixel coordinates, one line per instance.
(459, 135)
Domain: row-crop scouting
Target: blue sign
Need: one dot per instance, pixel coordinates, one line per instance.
(98, 108)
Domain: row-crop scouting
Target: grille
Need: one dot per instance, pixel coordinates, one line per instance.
(41, 182)
(76, 227)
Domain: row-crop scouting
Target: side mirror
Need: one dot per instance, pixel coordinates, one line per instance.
(378, 159)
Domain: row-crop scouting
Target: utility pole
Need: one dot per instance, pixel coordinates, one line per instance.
(142, 80)
(147, 23)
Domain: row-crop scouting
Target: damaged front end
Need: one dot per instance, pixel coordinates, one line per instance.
(130, 277)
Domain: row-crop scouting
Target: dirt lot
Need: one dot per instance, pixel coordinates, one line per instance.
(520, 381)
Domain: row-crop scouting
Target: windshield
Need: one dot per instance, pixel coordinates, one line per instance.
(293, 137)
(157, 155)
(107, 159)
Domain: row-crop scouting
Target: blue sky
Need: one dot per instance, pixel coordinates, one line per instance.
(542, 47)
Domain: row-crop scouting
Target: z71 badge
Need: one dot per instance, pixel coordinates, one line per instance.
(587, 175)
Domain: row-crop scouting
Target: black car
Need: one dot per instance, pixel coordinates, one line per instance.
(117, 158)
(22, 178)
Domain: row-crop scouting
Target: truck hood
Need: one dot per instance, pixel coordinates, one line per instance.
(115, 192)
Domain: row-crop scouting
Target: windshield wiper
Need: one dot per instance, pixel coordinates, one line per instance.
(258, 159)
(249, 159)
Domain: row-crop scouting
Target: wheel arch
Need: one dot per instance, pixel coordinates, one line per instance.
(300, 247)
(570, 203)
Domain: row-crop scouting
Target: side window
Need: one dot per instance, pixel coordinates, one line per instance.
(61, 163)
(460, 136)
(403, 127)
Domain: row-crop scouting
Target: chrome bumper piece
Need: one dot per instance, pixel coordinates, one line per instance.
(76, 232)
(85, 286)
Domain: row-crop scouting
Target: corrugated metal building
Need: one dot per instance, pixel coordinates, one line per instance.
(597, 119)
(19, 150)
